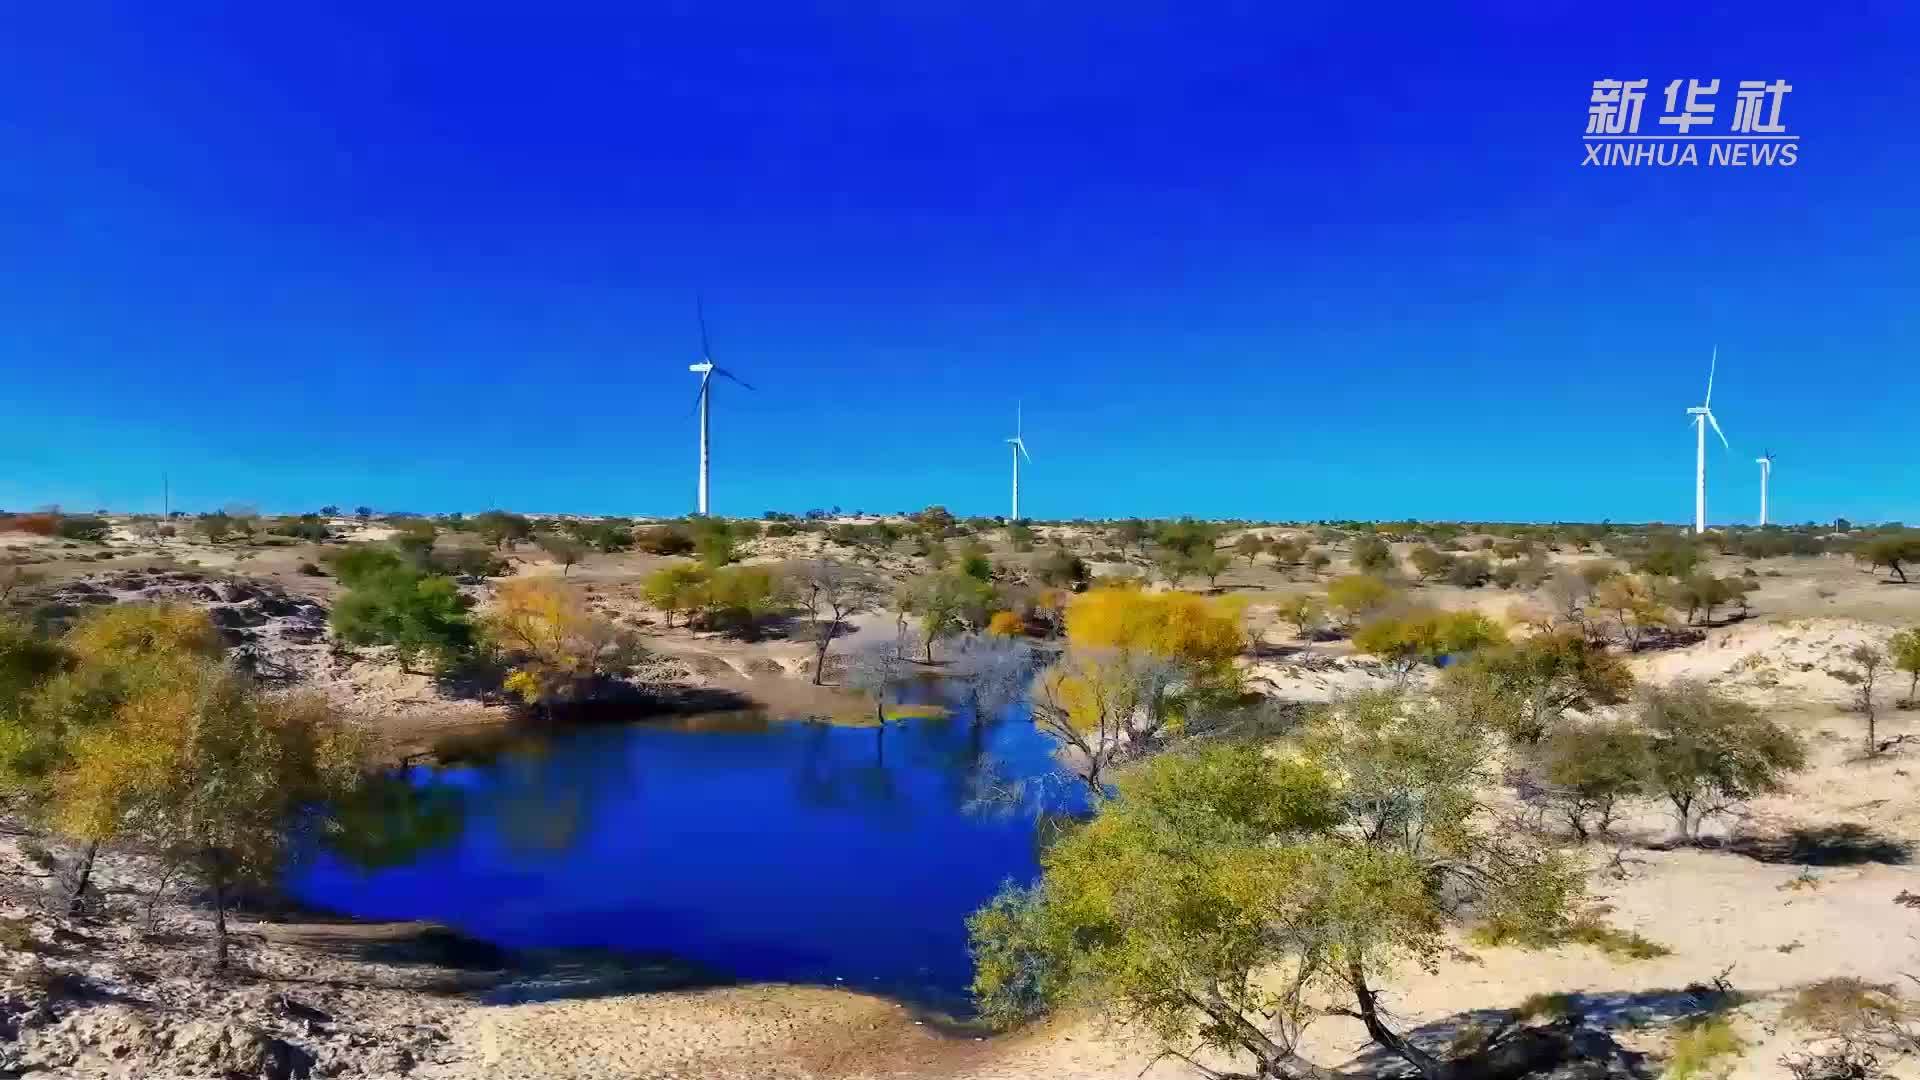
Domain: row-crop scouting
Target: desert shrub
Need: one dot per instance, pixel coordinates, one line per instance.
(33, 524)
(1061, 568)
(1304, 611)
(311, 569)
(82, 527)
(564, 550)
(1318, 560)
(679, 586)
(423, 616)
(1903, 649)
(308, 527)
(469, 562)
(1426, 635)
(1006, 624)
(1429, 563)
(1204, 634)
(1635, 608)
(716, 547)
(739, 598)
(664, 540)
(1699, 1044)
(780, 528)
(1356, 596)
(1371, 555)
(1857, 1022)
(502, 528)
(1468, 572)
(1668, 556)
(1586, 926)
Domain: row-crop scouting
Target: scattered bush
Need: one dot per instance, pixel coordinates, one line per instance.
(82, 527)
(664, 540)
(1699, 1044)
(33, 524)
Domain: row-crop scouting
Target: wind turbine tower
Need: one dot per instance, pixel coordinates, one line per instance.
(1702, 416)
(707, 369)
(1766, 472)
(1019, 449)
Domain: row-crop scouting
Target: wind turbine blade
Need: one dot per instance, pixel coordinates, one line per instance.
(1022, 444)
(1717, 431)
(700, 308)
(735, 378)
(1018, 408)
(701, 394)
(1711, 365)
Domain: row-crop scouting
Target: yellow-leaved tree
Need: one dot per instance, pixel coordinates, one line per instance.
(1137, 667)
(112, 656)
(160, 742)
(555, 644)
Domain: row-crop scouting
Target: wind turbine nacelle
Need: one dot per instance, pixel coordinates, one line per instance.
(700, 368)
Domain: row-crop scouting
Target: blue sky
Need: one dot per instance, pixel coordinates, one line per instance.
(1255, 260)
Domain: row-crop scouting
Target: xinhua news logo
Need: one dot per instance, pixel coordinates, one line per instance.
(1687, 131)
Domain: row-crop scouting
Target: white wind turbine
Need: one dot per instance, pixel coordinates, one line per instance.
(1765, 462)
(707, 369)
(1702, 416)
(1019, 448)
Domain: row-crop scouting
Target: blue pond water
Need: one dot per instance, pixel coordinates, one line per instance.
(789, 851)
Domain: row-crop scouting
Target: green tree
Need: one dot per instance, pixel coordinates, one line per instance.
(1891, 551)
(1225, 898)
(1535, 680)
(1423, 634)
(1211, 565)
(1429, 563)
(742, 597)
(1904, 649)
(1864, 677)
(1172, 565)
(1356, 596)
(564, 550)
(414, 538)
(1635, 607)
(1249, 547)
(501, 528)
(423, 616)
(1590, 769)
(1304, 611)
(212, 774)
(677, 586)
(1371, 555)
(1709, 753)
(945, 604)
(716, 546)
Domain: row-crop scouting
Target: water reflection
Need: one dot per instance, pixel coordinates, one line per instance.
(771, 850)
